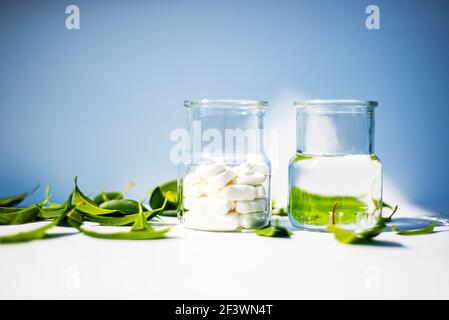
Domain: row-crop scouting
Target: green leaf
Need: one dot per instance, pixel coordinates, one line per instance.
(125, 220)
(52, 212)
(311, 208)
(48, 196)
(16, 199)
(106, 196)
(110, 221)
(39, 232)
(167, 190)
(9, 209)
(75, 219)
(359, 235)
(13, 200)
(386, 205)
(280, 212)
(369, 233)
(12, 215)
(28, 235)
(131, 235)
(342, 235)
(112, 195)
(300, 157)
(125, 206)
(274, 231)
(84, 204)
(21, 216)
(141, 229)
(426, 230)
(394, 210)
(141, 222)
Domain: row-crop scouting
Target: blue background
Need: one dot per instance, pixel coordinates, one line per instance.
(100, 102)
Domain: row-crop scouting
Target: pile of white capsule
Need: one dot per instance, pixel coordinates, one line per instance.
(218, 197)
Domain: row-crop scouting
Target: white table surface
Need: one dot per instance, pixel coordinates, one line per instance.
(206, 265)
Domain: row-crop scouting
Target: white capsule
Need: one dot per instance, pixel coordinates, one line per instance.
(192, 219)
(212, 192)
(254, 220)
(228, 222)
(222, 179)
(260, 192)
(193, 190)
(261, 168)
(209, 171)
(252, 179)
(250, 206)
(245, 169)
(239, 192)
(192, 178)
(210, 205)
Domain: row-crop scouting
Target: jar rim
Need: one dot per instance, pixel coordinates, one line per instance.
(336, 103)
(226, 103)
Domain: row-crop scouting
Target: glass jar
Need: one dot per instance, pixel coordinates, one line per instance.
(335, 177)
(224, 181)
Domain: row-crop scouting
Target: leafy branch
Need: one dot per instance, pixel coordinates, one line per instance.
(106, 209)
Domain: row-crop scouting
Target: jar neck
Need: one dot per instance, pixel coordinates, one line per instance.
(225, 134)
(331, 132)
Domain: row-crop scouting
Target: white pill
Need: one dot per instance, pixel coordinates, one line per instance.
(255, 158)
(193, 190)
(252, 179)
(222, 179)
(210, 205)
(187, 203)
(228, 222)
(240, 192)
(250, 206)
(192, 178)
(261, 168)
(245, 169)
(260, 192)
(211, 191)
(252, 220)
(217, 158)
(192, 219)
(209, 171)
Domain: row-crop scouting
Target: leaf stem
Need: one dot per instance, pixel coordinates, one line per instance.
(333, 212)
(127, 187)
(394, 211)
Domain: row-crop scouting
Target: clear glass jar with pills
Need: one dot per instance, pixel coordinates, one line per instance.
(224, 180)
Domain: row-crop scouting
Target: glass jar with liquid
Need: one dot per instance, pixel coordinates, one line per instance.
(335, 177)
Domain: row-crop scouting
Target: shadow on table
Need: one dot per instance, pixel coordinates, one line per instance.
(58, 235)
(368, 242)
(418, 223)
(378, 243)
